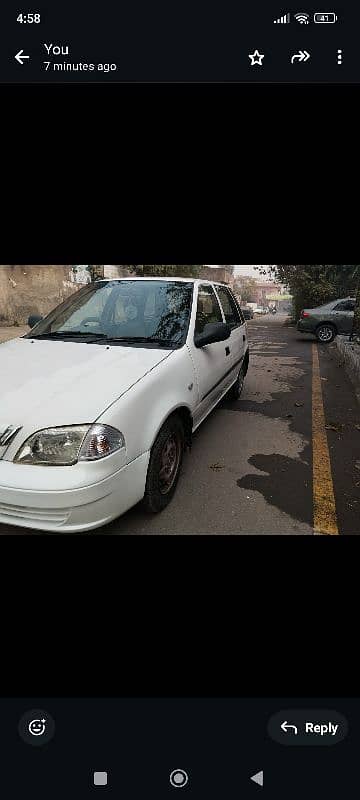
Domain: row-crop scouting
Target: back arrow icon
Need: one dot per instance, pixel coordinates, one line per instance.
(19, 57)
(302, 55)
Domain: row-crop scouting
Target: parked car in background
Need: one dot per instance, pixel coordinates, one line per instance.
(327, 321)
(101, 398)
(247, 313)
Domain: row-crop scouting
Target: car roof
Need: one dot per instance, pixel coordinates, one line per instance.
(160, 278)
(333, 302)
(340, 300)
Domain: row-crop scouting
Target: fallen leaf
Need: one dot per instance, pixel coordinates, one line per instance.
(217, 467)
(298, 405)
(337, 428)
(324, 379)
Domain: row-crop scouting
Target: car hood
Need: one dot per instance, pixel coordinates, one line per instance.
(47, 383)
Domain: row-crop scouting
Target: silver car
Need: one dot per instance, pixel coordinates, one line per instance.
(325, 322)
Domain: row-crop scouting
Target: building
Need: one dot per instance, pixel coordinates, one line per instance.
(221, 273)
(36, 288)
(263, 290)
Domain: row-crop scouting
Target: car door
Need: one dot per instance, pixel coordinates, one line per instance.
(212, 363)
(344, 316)
(234, 318)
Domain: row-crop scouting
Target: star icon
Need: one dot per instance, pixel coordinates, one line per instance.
(256, 58)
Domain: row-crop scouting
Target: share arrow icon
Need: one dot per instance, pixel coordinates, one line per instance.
(302, 55)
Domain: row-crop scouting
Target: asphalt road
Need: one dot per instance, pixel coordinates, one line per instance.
(250, 470)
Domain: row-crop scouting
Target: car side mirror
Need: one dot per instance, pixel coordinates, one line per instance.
(33, 320)
(213, 332)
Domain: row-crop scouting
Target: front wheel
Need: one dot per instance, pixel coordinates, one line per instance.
(325, 333)
(164, 467)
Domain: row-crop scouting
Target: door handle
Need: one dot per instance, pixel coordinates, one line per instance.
(227, 351)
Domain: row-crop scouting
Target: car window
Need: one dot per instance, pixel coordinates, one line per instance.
(242, 315)
(92, 308)
(208, 309)
(230, 309)
(346, 305)
(133, 309)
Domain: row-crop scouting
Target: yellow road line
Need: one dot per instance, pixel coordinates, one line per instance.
(325, 519)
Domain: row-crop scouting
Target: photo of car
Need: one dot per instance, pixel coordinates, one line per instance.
(247, 313)
(102, 397)
(327, 321)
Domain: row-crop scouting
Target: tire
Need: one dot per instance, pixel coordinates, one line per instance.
(166, 457)
(237, 389)
(326, 333)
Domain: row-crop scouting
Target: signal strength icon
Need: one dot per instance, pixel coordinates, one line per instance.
(302, 18)
(284, 20)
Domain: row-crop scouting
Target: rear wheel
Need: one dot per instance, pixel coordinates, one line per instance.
(164, 467)
(325, 333)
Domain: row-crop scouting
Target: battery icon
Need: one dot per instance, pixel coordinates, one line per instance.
(321, 17)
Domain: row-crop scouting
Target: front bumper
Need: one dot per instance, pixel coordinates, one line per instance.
(69, 510)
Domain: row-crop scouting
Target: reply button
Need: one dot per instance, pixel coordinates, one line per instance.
(299, 727)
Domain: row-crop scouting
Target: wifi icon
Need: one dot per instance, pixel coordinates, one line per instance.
(302, 18)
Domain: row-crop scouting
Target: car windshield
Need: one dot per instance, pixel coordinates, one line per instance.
(127, 311)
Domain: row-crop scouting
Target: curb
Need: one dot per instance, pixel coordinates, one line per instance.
(349, 353)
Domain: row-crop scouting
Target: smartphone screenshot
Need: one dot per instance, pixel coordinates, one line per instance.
(213, 407)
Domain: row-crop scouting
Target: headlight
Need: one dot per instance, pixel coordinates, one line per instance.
(67, 446)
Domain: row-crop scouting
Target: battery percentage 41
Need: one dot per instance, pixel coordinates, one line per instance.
(322, 17)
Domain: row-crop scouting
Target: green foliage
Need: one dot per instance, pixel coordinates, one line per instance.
(166, 270)
(96, 271)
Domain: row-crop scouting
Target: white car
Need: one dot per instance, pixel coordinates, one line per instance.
(100, 399)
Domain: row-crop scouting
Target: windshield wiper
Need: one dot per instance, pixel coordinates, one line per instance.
(70, 334)
(141, 339)
(103, 337)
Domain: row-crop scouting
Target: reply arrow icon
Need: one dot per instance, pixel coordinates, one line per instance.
(20, 56)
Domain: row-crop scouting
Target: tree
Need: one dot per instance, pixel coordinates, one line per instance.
(166, 270)
(247, 288)
(230, 267)
(96, 271)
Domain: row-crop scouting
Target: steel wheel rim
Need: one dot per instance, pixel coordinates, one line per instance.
(240, 382)
(169, 463)
(325, 334)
